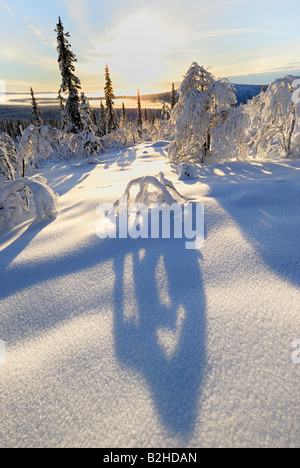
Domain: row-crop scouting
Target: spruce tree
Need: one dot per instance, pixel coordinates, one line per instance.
(91, 143)
(123, 115)
(139, 110)
(165, 113)
(86, 114)
(36, 113)
(173, 97)
(70, 83)
(102, 121)
(111, 118)
(62, 105)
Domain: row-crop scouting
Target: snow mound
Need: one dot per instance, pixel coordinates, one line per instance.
(15, 197)
(187, 172)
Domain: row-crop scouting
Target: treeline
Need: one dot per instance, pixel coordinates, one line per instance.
(13, 125)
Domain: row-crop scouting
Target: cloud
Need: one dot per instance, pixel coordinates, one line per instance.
(78, 10)
(37, 32)
(13, 53)
(5, 6)
(47, 41)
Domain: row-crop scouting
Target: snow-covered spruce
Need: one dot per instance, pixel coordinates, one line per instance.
(10, 164)
(91, 143)
(16, 195)
(36, 113)
(70, 82)
(110, 114)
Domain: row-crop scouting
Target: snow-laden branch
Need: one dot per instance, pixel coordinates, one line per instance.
(164, 193)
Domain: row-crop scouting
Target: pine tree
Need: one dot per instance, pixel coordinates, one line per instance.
(173, 97)
(86, 113)
(123, 116)
(36, 113)
(91, 143)
(111, 118)
(61, 101)
(94, 116)
(165, 112)
(63, 112)
(139, 110)
(102, 121)
(70, 83)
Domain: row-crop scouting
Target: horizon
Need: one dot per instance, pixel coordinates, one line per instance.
(147, 47)
(47, 99)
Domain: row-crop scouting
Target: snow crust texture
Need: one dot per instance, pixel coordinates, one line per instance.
(141, 343)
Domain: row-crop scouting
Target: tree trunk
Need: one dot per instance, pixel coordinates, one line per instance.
(289, 142)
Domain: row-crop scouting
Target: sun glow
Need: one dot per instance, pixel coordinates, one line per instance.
(141, 43)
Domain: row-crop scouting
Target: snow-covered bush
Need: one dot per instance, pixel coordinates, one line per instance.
(187, 172)
(128, 134)
(160, 130)
(10, 164)
(23, 195)
(119, 138)
(274, 120)
(202, 100)
(38, 144)
(231, 135)
(70, 147)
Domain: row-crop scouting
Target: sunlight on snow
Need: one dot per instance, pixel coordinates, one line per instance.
(142, 253)
(169, 338)
(162, 283)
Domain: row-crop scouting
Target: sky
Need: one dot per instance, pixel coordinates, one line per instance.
(148, 45)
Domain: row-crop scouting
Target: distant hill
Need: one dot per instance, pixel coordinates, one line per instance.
(246, 92)
(243, 93)
(51, 109)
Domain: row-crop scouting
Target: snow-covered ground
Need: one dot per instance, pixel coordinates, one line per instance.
(141, 343)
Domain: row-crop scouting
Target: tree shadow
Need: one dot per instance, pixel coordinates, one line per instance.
(261, 199)
(70, 175)
(123, 158)
(18, 244)
(165, 341)
(161, 333)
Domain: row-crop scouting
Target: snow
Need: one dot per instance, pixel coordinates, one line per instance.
(186, 172)
(15, 195)
(142, 343)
